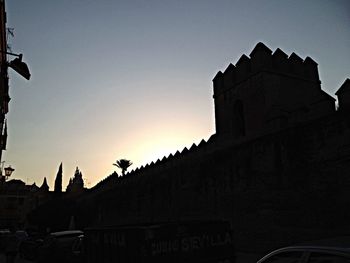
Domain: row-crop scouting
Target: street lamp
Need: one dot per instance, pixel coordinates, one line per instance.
(18, 65)
(8, 171)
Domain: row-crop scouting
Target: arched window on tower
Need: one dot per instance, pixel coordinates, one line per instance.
(238, 119)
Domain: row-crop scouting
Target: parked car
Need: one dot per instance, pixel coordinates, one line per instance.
(3, 236)
(21, 235)
(78, 250)
(58, 247)
(28, 249)
(336, 250)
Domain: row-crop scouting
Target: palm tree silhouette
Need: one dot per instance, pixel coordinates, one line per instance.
(123, 164)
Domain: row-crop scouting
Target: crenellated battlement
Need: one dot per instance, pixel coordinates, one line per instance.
(167, 159)
(153, 167)
(263, 59)
(248, 103)
(246, 93)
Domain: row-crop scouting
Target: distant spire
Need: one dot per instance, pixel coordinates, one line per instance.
(58, 181)
(44, 186)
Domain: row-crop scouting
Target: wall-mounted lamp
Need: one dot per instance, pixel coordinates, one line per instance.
(18, 65)
(8, 171)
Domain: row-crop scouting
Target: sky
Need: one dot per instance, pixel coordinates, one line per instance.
(129, 79)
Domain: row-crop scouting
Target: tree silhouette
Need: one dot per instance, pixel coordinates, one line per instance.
(76, 183)
(123, 164)
(58, 181)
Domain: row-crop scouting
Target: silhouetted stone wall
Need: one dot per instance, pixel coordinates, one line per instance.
(278, 174)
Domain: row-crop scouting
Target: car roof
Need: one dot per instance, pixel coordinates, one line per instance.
(310, 248)
(67, 233)
(317, 248)
(334, 242)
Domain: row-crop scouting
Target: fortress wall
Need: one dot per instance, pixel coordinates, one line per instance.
(290, 179)
(283, 179)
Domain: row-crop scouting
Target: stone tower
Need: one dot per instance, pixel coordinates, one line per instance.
(268, 91)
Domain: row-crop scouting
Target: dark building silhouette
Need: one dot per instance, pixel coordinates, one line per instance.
(276, 168)
(4, 83)
(57, 209)
(17, 200)
(16, 64)
(29, 206)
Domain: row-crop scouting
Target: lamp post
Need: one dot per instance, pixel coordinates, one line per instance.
(8, 171)
(18, 65)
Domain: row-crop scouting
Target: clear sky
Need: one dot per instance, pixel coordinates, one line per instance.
(132, 79)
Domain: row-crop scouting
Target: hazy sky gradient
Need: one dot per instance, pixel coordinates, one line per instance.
(132, 79)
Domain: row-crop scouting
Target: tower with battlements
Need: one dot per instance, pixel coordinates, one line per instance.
(268, 91)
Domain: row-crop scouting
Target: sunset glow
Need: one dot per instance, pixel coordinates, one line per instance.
(126, 79)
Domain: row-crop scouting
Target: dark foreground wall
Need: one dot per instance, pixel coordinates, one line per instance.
(276, 189)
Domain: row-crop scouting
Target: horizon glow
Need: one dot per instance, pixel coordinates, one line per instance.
(132, 79)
